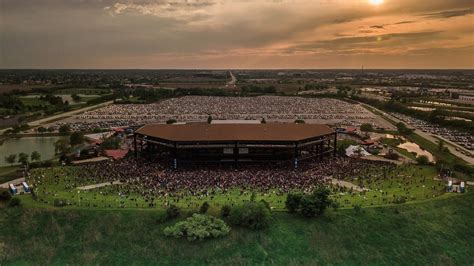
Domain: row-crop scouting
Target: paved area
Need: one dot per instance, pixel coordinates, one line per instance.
(14, 181)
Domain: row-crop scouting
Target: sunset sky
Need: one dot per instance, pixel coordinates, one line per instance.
(227, 34)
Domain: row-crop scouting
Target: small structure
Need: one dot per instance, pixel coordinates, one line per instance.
(456, 186)
(26, 188)
(13, 189)
(356, 151)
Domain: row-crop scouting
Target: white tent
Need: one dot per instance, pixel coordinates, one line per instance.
(356, 151)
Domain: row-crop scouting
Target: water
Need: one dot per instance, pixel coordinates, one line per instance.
(44, 145)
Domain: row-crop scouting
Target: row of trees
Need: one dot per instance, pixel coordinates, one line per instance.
(23, 158)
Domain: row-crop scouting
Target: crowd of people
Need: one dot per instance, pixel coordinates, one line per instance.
(153, 179)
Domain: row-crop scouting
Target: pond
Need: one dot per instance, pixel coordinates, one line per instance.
(413, 147)
(44, 145)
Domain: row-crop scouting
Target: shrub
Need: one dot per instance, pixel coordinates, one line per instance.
(198, 227)
(422, 160)
(60, 202)
(5, 195)
(293, 202)
(204, 207)
(172, 212)
(357, 208)
(225, 211)
(14, 202)
(254, 215)
(316, 203)
(399, 200)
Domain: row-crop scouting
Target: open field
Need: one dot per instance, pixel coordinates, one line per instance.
(435, 232)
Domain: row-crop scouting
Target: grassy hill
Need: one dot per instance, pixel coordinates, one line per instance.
(438, 232)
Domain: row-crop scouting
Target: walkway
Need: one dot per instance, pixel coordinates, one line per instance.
(14, 181)
(99, 185)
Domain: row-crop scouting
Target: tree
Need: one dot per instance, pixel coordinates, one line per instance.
(367, 127)
(10, 159)
(23, 158)
(64, 129)
(209, 119)
(225, 211)
(61, 146)
(5, 195)
(293, 202)
(299, 121)
(403, 129)
(76, 97)
(172, 212)
(41, 130)
(204, 208)
(263, 121)
(316, 203)
(422, 160)
(76, 138)
(440, 144)
(252, 214)
(35, 156)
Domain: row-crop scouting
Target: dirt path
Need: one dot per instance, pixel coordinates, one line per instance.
(99, 185)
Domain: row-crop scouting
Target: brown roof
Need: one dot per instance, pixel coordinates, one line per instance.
(235, 132)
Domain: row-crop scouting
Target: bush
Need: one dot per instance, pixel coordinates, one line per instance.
(422, 160)
(172, 212)
(309, 205)
(204, 208)
(198, 227)
(254, 215)
(400, 200)
(60, 202)
(225, 211)
(293, 202)
(14, 202)
(5, 195)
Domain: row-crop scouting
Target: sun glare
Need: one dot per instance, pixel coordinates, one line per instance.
(376, 2)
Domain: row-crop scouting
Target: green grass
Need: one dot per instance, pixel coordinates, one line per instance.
(8, 173)
(436, 232)
(410, 181)
(33, 101)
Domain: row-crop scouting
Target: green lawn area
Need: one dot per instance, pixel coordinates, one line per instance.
(7, 173)
(435, 232)
(29, 101)
(412, 182)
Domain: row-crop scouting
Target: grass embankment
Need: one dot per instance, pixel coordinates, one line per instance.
(438, 232)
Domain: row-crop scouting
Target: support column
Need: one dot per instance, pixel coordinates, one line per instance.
(173, 155)
(295, 162)
(236, 152)
(135, 145)
(321, 148)
(335, 144)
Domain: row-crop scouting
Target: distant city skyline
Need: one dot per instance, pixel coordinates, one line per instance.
(237, 34)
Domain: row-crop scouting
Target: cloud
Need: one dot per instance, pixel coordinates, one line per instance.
(449, 13)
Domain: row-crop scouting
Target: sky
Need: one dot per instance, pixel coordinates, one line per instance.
(236, 34)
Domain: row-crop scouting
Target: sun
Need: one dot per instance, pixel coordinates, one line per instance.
(376, 2)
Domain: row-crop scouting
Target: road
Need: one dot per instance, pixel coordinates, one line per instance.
(451, 146)
(62, 115)
(233, 80)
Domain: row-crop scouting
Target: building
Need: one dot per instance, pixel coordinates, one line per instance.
(235, 143)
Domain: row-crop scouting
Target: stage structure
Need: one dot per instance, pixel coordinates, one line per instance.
(236, 143)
